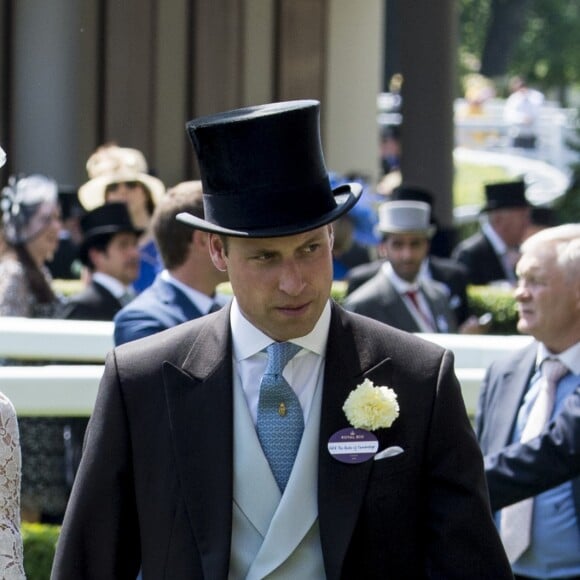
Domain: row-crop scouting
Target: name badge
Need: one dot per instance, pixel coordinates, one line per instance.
(353, 445)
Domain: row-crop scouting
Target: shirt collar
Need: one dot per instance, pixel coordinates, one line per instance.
(114, 286)
(201, 301)
(570, 357)
(400, 285)
(249, 340)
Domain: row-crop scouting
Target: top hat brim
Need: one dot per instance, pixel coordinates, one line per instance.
(429, 232)
(345, 197)
(492, 206)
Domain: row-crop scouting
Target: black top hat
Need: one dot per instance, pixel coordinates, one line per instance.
(104, 221)
(505, 195)
(263, 172)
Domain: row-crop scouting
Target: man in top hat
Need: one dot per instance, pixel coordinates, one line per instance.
(215, 447)
(491, 254)
(397, 294)
(444, 270)
(110, 253)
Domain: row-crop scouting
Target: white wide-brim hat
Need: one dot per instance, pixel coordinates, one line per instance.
(113, 164)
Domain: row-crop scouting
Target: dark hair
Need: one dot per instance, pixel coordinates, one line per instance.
(35, 278)
(99, 243)
(173, 237)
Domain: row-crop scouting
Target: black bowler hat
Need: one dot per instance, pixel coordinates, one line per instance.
(505, 195)
(104, 221)
(263, 172)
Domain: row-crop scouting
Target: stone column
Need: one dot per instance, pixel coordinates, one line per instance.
(428, 51)
(49, 119)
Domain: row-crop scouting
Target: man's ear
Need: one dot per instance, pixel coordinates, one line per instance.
(217, 252)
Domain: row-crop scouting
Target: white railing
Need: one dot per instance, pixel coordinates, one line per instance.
(69, 388)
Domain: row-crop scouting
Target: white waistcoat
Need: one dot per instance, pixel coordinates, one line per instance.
(274, 535)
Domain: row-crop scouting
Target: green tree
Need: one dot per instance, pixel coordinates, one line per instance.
(535, 38)
(548, 52)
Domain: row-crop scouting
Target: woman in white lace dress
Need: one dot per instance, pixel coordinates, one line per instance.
(11, 558)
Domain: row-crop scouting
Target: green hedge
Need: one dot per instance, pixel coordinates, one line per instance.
(500, 302)
(39, 545)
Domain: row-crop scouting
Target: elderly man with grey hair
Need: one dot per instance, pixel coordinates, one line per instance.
(532, 387)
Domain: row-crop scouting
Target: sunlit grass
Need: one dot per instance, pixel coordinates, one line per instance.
(470, 180)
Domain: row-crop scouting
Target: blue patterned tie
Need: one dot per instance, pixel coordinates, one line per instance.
(280, 419)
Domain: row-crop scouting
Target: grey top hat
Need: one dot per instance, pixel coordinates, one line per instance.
(405, 217)
(263, 172)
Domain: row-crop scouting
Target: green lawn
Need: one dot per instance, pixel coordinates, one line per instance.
(470, 179)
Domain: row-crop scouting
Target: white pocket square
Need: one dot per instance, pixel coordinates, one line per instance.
(389, 452)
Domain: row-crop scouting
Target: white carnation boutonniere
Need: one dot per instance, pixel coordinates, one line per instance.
(370, 407)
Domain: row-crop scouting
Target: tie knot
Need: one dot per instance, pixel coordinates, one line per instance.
(554, 369)
(279, 354)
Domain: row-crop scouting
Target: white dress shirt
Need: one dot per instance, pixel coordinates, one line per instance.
(303, 373)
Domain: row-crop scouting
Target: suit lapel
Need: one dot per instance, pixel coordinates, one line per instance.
(341, 487)
(395, 312)
(199, 400)
(514, 385)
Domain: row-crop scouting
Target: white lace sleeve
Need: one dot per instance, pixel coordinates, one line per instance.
(11, 558)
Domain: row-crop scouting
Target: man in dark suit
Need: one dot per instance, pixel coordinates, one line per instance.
(178, 473)
(445, 270)
(519, 397)
(526, 469)
(397, 294)
(109, 251)
(185, 289)
(490, 255)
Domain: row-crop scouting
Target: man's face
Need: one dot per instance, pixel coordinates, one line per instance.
(548, 300)
(406, 252)
(510, 224)
(281, 284)
(120, 259)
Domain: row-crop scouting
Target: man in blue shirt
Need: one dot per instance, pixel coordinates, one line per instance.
(548, 297)
(185, 289)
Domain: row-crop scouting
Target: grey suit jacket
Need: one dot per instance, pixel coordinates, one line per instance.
(154, 488)
(378, 299)
(503, 389)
